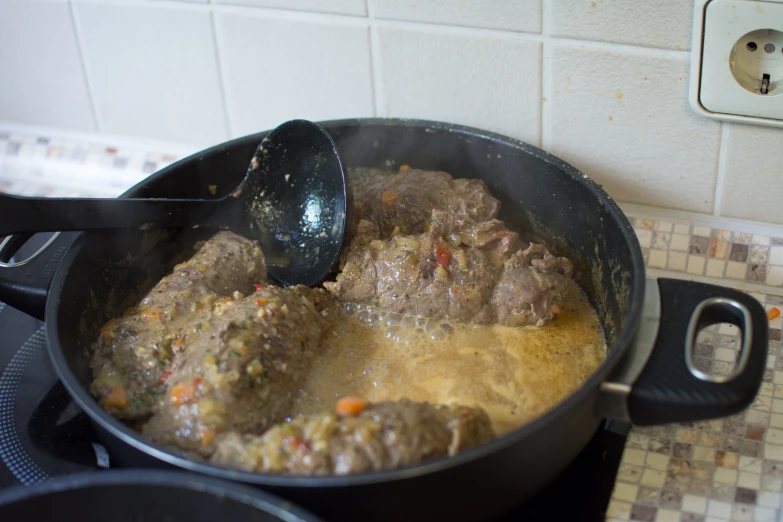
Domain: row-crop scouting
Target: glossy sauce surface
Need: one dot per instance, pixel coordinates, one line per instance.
(515, 374)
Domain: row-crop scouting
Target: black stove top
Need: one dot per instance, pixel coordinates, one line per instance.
(44, 434)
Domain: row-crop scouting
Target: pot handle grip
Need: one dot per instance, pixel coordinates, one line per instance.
(659, 384)
(24, 283)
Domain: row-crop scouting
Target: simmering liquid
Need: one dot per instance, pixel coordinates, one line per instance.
(515, 374)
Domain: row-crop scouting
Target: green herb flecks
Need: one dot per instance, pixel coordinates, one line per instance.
(135, 403)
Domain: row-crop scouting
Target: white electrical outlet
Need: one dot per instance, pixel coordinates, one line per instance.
(737, 61)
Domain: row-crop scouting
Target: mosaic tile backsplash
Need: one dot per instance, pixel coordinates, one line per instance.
(712, 252)
(714, 471)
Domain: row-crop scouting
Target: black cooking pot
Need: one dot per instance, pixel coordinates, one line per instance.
(650, 326)
(144, 496)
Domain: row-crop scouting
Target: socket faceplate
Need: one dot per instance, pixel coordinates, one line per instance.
(732, 44)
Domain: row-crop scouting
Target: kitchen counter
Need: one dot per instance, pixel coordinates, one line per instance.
(719, 470)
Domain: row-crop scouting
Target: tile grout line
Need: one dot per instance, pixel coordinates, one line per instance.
(369, 19)
(534, 37)
(222, 84)
(546, 78)
(77, 31)
(721, 175)
(376, 83)
(379, 100)
(373, 76)
(211, 5)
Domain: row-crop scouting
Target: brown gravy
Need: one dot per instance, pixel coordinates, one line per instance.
(515, 374)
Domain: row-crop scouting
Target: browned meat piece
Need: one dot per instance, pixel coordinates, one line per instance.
(405, 201)
(492, 235)
(225, 264)
(458, 270)
(133, 351)
(244, 372)
(385, 435)
(532, 287)
(429, 274)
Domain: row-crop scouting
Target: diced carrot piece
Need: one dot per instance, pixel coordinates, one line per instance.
(389, 198)
(442, 257)
(555, 309)
(109, 324)
(258, 287)
(179, 342)
(106, 329)
(117, 398)
(405, 168)
(182, 393)
(350, 406)
(773, 313)
(197, 382)
(260, 302)
(153, 315)
(206, 436)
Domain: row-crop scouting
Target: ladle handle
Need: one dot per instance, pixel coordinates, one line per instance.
(21, 214)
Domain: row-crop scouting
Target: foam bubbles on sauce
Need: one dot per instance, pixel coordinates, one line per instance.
(515, 374)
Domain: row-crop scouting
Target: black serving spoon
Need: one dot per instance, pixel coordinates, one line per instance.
(294, 201)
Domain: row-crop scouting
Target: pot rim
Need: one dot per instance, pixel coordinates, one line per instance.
(261, 501)
(614, 353)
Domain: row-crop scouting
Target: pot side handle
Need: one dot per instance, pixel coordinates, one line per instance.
(658, 383)
(24, 283)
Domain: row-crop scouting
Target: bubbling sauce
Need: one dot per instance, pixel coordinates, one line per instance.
(515, 374)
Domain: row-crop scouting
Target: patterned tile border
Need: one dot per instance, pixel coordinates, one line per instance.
(714, 471)
(44, 166)
(718, 253)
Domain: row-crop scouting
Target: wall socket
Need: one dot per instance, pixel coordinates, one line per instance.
(737, 61)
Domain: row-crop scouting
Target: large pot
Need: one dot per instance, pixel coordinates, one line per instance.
(650, 326)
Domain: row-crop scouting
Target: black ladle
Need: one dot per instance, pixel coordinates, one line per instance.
(294, 201)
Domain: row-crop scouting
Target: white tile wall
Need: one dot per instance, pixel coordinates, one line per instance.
(193, 1)
(601, 83)
(330, 78)
(346, 7)
(512, 15)
(153, 70)
(621, 116)
(663, 23)
(41, 80)
(754, 173)
(499, 91)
